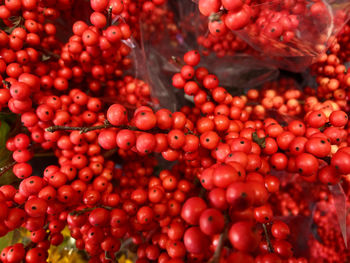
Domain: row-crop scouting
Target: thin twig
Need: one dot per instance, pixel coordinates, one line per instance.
(268, 241)
(177, 61)
(81, 129)
(89, 209)
(6, 83)
(44, 154)
(216, 256)
(222, 239)
(109, 153)
(100, 127)
(217, 16)
(49, 53)
(109, 16)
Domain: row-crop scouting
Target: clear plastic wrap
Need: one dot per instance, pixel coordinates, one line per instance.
(296, 46)
(315, 214)
(339, 202)
(157, 50)
(241, 72)
(288, 34)
(160, 45)
(332, 207)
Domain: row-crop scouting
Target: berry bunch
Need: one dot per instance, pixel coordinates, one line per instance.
(213, 181)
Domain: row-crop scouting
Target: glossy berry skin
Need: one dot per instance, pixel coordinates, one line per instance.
(232, 5)
(36, 207)
(328, 175)
(306, 164)
(224, 175)
(316, 119)
(263, 214)
(239, 195)
(145, 120)
(117, 114)
(36, 255)
(280, 230)
(207, 7)
(107, 139)
(99, 217)
(338, 118)
(195, 241)
(192, 57)
(192, 210)
(16, 253)
(283, 248)
(125, 139)
(236, 20)
(244, 236)
(211, 222)
(145, 215)
(340, 161)
(319, 147)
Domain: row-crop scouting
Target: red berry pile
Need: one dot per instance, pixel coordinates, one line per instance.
(225, 178)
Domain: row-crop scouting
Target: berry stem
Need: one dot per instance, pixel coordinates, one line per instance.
(217, 16)
(49, 53)
(6, 84)
(89, 209)
(268, 241)
(223, 236)
(216, 257)
(83, 211)
(100, 127)
(44, 154)
(30, 246)
(110, 153)
(81, 129)
(109, 16)
(177, 61)
(107, 256)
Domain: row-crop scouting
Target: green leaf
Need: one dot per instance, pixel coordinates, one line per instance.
(4, 132)
(260, 141)
(6, 163)
(6, 84)
(9, 126)
(14, 121)
(6, 240)
(8, 178)
(19, 235)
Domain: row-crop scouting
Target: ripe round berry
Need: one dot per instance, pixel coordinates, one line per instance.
(117, 114)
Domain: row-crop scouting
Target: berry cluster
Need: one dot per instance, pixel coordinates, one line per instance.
(223, 43)
(218, 180)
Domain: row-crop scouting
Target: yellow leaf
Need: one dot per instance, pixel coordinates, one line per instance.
(121, 259)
